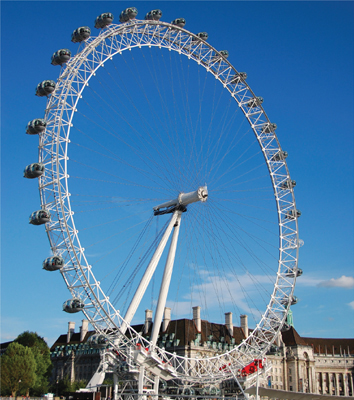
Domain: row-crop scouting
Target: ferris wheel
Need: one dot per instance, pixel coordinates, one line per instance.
(151, 140)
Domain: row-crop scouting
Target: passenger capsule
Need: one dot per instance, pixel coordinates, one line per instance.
(97, 341)
(34, 170)
(238, 77)
(128, 14)
(217, 58)
(269, 128)
(288, 184)
(201, 35)
(256, 102)
(53, 263)
(45, 88)
(103, 20)
(292, 214)
(39, 217)
(188, 391)
(153, 15)
(73, 305)
(61, 57)
(36, 126)
(162, 385)
(281, 155)
(286, 300)
(180, 22)
(80, 34)
(285, 327)
(292, 273)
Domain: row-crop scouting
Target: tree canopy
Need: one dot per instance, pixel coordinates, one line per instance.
(63, 386)
(18, 369)
(41, 354)
(26, 366)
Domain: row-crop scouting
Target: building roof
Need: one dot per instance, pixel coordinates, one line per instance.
(74, 339)
(331, 346)
(292, 338)
(319, 345)
(184, 329)
(3, 346)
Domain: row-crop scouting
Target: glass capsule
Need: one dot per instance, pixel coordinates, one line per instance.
(128, 14)
(97, 341)
(61, 57)
(103, 20)
(80, 34)
(34, 170)
(73, 305)
(53, 263)
(39, 217)
(256, 102)
(153, 15)
(180, 22)
(36, 126)
(45, 88)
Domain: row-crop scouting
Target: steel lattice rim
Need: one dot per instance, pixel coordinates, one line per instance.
(55, 196)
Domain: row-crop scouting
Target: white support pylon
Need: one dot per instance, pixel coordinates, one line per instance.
(115, 386)
(141, 381)
(147, 276)
(166, 279)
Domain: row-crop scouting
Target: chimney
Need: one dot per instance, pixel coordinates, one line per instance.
(228, 323)
(71, 330)
(83, 329)
(196, 318)
(166, 319)
(244, 324)
(148, 320)
(279, 340)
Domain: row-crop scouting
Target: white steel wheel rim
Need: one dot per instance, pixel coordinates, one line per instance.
(55, 195)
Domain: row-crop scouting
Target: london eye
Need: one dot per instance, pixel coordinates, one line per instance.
(163, 185)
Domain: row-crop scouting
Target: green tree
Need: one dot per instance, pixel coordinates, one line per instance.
(79, 385)
(63, 386)
(18, 369)
(41, 354)
(108, 381)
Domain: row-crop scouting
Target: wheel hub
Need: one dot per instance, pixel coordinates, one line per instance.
(181, 202)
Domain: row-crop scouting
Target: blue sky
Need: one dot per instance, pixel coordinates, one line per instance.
(298, 57)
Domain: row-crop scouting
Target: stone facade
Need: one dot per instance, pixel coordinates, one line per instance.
(72, 356)
(312, 365)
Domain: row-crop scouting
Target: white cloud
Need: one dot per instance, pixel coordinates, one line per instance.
(306, 280)
(215, 293)
(351, 304)
(346, 282)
